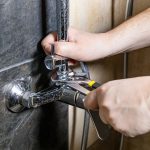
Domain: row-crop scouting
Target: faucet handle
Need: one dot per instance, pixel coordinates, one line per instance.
(54, 61)
(13, 93)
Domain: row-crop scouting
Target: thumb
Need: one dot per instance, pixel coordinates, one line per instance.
(67, 49)
(91, 101)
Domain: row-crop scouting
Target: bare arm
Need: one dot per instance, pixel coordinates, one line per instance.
(132, 34)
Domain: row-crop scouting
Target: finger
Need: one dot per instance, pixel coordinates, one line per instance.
(48, 41)
(91, 101)
(68, 49)
(102, 115)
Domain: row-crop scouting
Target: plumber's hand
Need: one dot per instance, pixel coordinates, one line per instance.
(81, 45)
(124, 104)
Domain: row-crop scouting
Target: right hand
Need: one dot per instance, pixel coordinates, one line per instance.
(80, 46)
(124, 104)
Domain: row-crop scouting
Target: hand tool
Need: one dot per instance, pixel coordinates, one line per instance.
(82, 86)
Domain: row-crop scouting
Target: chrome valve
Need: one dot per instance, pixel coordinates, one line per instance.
(58, 63)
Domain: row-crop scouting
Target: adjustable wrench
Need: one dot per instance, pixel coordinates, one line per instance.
(102, 129)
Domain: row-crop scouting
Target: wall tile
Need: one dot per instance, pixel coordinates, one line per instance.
(43, 128)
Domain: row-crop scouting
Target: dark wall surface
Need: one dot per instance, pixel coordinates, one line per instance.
(23, 23)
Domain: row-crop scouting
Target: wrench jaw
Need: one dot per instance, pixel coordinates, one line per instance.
(72, 78)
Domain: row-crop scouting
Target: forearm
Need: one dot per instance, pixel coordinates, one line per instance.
(130, 35)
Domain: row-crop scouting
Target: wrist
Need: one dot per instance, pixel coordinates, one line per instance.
(103, 45)
(115, 45)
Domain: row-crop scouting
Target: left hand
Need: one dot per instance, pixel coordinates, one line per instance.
(124, 104)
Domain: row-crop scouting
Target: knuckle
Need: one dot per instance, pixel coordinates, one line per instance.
(110, 116)
(117, 127)
(101, 91)
(113, 121)
(105, 104)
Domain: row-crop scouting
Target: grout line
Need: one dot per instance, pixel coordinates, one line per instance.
(17, 64)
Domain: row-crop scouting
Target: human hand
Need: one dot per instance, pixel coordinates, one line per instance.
(81, 45)
(124, 104)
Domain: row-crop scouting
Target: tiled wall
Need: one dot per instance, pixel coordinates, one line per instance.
(23, 23)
